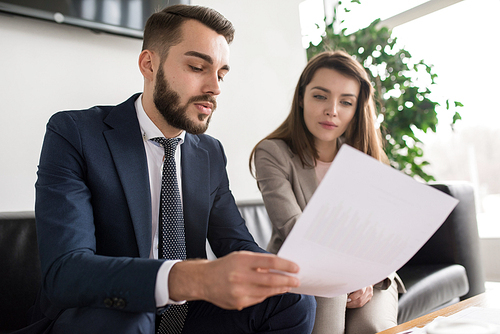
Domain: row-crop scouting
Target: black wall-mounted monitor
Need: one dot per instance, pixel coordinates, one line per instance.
(120, 17)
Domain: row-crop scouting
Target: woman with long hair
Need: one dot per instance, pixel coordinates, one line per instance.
(333, 105)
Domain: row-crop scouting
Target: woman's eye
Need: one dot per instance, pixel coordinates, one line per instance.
(319, 97)
(347, 103)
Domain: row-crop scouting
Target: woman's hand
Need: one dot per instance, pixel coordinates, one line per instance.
(360, 298)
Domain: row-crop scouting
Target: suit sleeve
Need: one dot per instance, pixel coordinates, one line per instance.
(72, 274)
(227, 231)
(274, 177)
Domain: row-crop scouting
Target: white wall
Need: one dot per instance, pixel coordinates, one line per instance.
(267, 58)
(490, 248)
(46, 67)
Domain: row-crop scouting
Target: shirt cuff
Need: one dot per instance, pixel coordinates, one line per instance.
(162, 295)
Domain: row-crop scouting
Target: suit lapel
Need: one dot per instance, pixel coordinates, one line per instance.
(127, 149)
(195, 195)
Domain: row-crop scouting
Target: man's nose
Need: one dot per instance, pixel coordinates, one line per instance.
(212, 85)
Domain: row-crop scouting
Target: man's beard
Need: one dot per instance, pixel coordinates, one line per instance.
(167, 102)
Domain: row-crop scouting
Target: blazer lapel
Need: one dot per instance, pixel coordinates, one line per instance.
(125, 144)
(306, 176)
(195, 195)
(308, 182)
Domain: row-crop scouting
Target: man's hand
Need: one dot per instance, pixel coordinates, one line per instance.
(360, 297)
(235, 281)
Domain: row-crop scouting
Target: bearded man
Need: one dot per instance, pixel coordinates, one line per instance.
(127, 195)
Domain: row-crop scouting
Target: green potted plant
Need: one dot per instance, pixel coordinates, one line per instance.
(402, 89)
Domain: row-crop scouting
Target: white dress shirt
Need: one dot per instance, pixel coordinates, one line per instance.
(155, 155)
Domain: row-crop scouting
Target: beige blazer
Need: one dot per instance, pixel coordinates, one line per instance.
(286, 187)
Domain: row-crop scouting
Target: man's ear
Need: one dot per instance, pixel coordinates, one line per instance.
(146, 59)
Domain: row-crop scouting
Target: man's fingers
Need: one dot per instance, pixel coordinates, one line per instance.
(247, 278)
(265, 270)
(244, 296)
(268, 279)
(269, 261)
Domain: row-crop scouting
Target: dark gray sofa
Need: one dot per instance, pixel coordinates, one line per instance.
(446, 269)
(20, 266)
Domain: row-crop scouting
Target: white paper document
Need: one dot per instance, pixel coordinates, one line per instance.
(365, 221)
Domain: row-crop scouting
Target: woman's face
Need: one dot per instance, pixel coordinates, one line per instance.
(330, 102)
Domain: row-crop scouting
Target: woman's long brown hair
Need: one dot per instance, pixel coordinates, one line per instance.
(361, 133)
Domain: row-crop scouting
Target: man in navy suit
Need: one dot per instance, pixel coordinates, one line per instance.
(97, 204)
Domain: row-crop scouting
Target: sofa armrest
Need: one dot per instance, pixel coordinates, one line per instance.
(429, 287)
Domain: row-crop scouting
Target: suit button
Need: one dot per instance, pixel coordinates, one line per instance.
(108, 302)
(119, 303)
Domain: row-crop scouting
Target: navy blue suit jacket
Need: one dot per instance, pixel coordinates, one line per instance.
(93, 214)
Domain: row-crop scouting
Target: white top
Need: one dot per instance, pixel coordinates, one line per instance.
(321, 169)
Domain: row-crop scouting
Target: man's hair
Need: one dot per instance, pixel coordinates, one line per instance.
(163, 29)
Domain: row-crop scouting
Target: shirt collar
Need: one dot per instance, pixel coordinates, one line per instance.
(148, 128)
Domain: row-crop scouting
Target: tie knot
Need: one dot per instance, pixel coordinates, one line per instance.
(169, 145)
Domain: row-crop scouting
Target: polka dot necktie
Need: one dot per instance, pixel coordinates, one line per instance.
(172, 243)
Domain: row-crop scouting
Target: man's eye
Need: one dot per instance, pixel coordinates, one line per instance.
(196, 69)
